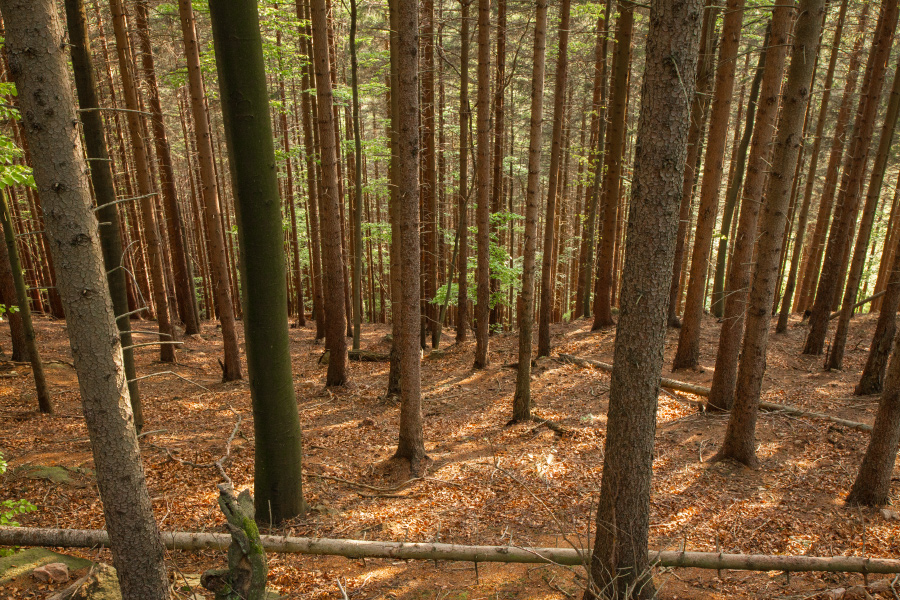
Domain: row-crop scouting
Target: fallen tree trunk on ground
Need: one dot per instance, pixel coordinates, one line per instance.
(837, 313)
(90, 538)
(699, 390)
(367, 356)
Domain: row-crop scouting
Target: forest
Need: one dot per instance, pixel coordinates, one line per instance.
(449, 299)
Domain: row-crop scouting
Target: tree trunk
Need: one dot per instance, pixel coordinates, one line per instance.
(854, 172)
(723, 384)
(548, 261)
(613, 160)
(522, 398)
(38, 64)
(799, 238)
(393, 384)
(231, 369)
(619, 566)
(465, 118)
(872, 486)
(145, 187)
(357, 186)
(483, 185)
(740, 435)
(329, 203)
(13, 317)
(104, 188)
(699, 107)
(278, 490)
(429, 169)
(687, 356)
(497, 156)
(411, 446)
(185, 293)
(835, 358)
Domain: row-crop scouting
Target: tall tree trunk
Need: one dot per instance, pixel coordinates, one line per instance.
(104, 188)
(38, 63)
(687, 356)
(17, 334)
(429, 170)
(548, 262)
(613, 160)
(802, 220)
(465, 118)
(393, 384)
(231, 368)
(722, 390)
(278, 490)
(699, 107)
(872, 486)
(483, 185)
(835, 358)
(872, 379)
(740, 435)
(497, 163)
(145, 187)
(411, 446)
(185, 293)
(619, 567)
(329, 203)
(852, 179)
(357, 185)
(24, 310)
(522, 398)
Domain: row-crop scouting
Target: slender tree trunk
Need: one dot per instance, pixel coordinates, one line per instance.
(8, 299)
(38, 64)
(465, 118)
(429, 169)
(619, 567)
(329, 198)
(185, 293)
(231, 368)
(687, 356)
(357, 185)
(799, 238)
(522, 398)
(483, 185)
(699, 108)
(835, 358)
(722, 390)
(145, 187)
(872, 379)
(548, 262)
(411, 446)
(852, 179)
(24, 310)
(278, 490)
(740, 435)
(497, 163)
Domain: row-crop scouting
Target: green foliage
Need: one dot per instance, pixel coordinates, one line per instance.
(10, 508)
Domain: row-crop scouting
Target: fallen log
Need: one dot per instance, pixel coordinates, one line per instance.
(91, 538)
(367, 356)
(837, 313)
(699, 390)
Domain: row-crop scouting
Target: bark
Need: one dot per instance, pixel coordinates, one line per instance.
(278, 491)
(872, 379)
(852, 179)
(429, 170)
(522, 398)
(24, 310)
(483, 185)
(548, 260)
(699, 108)
(231, 369)
(145, 187)
(38, 64)
(185, 293)
(788, 297)
(329, 202)
(872, 486)
(835, 358)
(735, 184)
(829, 188)
(190, 541)
(740, 434)
(465, 118)
(104, 188)
(619, 566)
(411, 445)
(393, 384)
(758, 164)
(688, 353)
(613, 163)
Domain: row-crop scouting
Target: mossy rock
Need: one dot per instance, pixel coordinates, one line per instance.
(25, 561)
(75, 477)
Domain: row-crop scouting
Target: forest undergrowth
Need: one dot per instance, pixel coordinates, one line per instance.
(487, 483)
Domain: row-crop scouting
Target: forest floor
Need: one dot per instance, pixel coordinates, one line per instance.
(489, 483)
